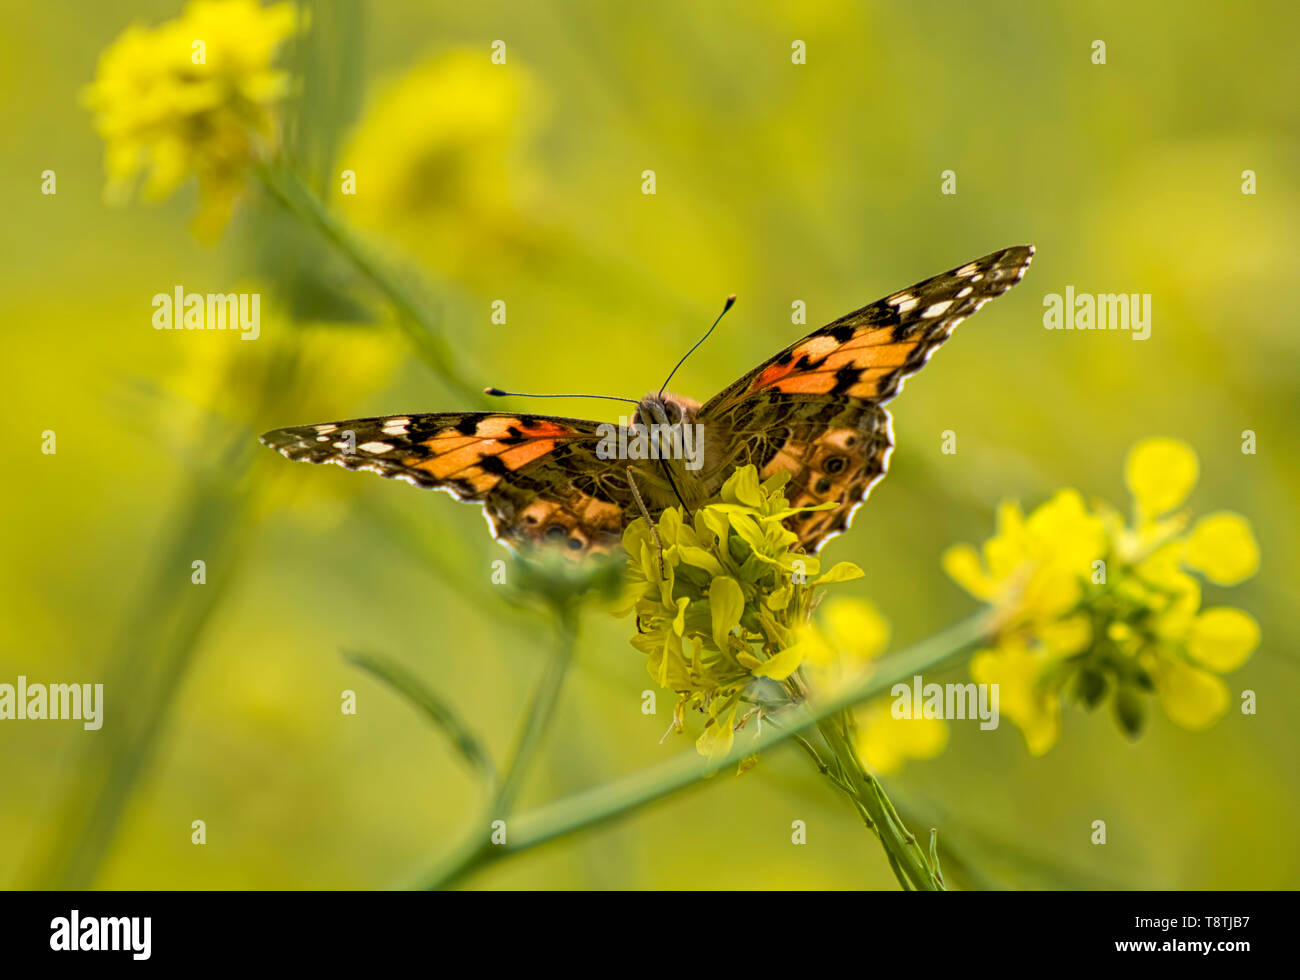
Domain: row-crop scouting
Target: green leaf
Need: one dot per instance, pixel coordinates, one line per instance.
(465, 742)
(1090, 688)
(1130, 711)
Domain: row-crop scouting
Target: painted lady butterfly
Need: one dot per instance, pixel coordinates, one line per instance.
(815, 409)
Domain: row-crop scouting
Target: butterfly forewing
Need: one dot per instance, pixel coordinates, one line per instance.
(538, 477)
(815, 408)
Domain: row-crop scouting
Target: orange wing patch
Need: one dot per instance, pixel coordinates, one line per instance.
(499, 444)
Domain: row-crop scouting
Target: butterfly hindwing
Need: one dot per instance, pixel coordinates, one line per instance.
(538, 477)
(834, 449)
(819, 401)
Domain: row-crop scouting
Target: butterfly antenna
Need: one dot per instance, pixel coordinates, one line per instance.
(498, 393)
(731, 301)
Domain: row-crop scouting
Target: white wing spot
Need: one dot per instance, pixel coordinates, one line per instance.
(968, 269)
(907, 305)
(966, 292)
(976, 278)
(936, 309)
(396, 427)
(322, 429)
(374, 447)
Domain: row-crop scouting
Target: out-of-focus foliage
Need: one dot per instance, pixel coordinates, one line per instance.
(817, 183)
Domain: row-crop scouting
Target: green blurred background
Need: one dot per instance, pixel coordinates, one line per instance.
(818, 182)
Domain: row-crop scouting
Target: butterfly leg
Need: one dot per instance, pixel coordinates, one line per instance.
(654, 532)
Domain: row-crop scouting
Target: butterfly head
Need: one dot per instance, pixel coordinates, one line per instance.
(665, 408)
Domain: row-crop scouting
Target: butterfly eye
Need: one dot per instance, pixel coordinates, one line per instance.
(835, 464)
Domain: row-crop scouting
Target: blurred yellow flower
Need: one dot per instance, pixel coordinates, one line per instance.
(850, 634)
(1035, 568)
(437, 162)
(193, 96)
(1022, 697)
(1089, 608)
(885, 742)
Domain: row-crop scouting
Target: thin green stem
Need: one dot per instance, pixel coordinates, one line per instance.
(540, 712)
(613, 800)
(420, 327)
(910, 864)
(479, 847)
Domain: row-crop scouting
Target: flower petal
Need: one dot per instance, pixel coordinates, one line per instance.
(1223, 549)
(1160, 473)
(962, 563)
(726, 603)
(1192, 698)
(1222, 638)
(782, 665)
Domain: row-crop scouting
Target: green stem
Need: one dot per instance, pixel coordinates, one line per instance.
(421, 328)
(616, 799)
(540, 712)
(478, 848)
(909, 862)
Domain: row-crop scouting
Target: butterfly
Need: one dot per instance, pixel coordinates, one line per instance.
(815, 410)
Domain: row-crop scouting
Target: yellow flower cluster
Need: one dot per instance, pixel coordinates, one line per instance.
(191, 96)
(1092, 608)
(720, 610)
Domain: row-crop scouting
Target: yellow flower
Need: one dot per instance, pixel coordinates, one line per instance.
(193, 96)
(1091, 609)
(436, 157)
